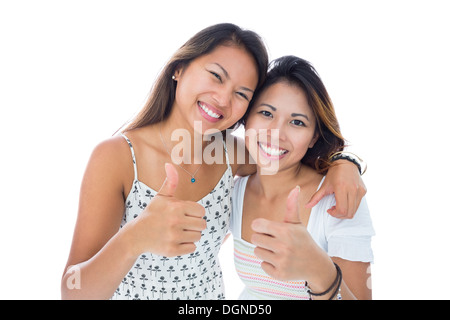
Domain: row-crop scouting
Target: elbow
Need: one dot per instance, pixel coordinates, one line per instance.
(71, 283)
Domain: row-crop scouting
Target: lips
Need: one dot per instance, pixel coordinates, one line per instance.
(209, 112)
(272, 151)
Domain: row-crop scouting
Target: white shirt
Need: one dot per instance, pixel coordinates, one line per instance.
(349, 239)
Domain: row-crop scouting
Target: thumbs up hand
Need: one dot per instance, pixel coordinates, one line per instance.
(170, 184)
(287, 249)
(168, 226)
(292, 208)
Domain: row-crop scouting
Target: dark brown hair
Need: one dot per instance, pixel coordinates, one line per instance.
(162, 96)
(299, 72)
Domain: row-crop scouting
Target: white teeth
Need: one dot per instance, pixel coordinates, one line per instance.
(272, 151)
(209, 112)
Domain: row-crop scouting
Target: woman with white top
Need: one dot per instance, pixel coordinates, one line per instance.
(284, 250)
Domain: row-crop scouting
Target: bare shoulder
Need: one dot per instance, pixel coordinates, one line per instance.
(111, 150)
(112, 158)
(144, 139)
(101, 202)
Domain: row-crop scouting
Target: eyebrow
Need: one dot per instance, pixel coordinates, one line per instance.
(228, 77)
(292, 114)
(223, 70)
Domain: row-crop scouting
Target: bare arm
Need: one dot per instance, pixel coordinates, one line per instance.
(98, 250)
(102, 253)
(357, 277)
(343, 179)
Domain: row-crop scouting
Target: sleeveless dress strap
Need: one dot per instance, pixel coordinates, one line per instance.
(132, 155)
(226, 154)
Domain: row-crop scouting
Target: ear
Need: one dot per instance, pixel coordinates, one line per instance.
(177, 73)
(314, 140)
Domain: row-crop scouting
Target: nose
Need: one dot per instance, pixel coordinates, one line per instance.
(222, 96)
(276, 130)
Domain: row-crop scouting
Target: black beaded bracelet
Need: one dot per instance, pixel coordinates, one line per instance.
(336, 284)
(336, 292)
(343, 156)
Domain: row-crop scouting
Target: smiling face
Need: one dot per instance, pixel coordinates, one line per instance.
(280, 127)
(216, 88)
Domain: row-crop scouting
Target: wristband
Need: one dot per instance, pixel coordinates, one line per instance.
(336, 284)
(353, 158)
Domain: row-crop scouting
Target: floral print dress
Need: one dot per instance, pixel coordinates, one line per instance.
(193, 276)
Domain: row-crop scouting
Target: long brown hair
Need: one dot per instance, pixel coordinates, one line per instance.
(300, 72)
(162, 96)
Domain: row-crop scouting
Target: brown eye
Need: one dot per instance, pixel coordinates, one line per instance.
(266, 113)
(216, 75)
(298, 123)
(243, 96)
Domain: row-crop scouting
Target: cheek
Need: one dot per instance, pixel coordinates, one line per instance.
(250, 136)
(189, 85)
(182, 93)
(238, 110)
(253, 123)
(303, 144)
(251, 140)
(256, 129)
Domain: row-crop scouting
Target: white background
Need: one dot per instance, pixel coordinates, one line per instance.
(72, 72)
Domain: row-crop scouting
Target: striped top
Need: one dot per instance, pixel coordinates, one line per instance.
(258, 284)
(348, 239)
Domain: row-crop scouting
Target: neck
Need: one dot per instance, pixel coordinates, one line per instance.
(279, 184)
(184, 143)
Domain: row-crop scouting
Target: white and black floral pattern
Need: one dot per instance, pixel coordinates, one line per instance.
(193, 276)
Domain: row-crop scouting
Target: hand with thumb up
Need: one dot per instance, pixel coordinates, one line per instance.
(168, 226)
(287, 249)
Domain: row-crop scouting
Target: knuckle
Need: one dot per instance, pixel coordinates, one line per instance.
(363, 190)
(273, 272)
(176, 206)
(198, 236)
(288, 252)
(342, 184)
(171, 238)
(201, 210)
(340, 212)
(267, 269)
(278, 229)
(279, 273)
(189, 248)
(257, 252)
(174, 220)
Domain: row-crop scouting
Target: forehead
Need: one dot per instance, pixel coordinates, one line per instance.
(228, 52)
(238, 62)
(285, 97)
